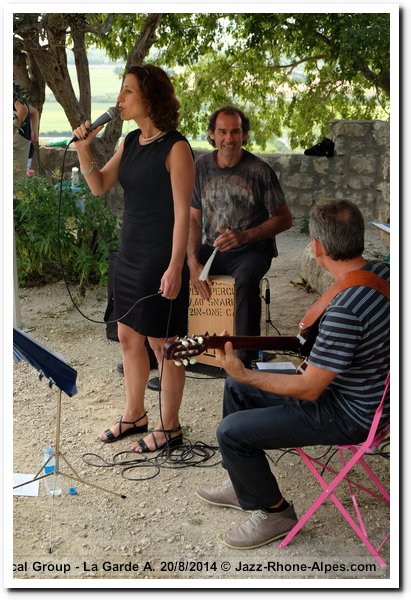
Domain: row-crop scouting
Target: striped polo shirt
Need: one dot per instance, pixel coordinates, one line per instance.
(354, 341)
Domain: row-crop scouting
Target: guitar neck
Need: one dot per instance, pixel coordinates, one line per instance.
(290, 343)
(185, 349)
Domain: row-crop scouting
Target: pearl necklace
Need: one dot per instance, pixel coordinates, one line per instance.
(150, 139)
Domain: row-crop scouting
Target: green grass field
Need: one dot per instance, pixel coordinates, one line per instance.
(105, 85)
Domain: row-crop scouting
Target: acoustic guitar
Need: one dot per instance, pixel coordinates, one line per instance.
(183, 350)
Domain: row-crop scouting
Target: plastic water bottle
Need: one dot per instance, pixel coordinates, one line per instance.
(75, 177)
(52, 483)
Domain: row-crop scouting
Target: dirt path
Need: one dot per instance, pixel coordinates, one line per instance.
(161, 525)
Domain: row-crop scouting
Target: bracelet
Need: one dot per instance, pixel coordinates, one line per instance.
(93, 166)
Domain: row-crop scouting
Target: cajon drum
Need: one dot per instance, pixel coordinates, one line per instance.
(214, 315)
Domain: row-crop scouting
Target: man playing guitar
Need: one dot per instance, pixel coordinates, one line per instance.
(332, 402)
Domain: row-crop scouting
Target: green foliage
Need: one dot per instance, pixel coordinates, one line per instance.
(85, 236)
(289, 71)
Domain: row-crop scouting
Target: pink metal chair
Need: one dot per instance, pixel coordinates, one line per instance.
(357, 452)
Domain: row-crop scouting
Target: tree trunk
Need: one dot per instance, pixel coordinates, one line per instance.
(140, 49)
(49, 64)
(83, 72)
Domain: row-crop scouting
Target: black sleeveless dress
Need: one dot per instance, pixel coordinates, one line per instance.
(146, 241)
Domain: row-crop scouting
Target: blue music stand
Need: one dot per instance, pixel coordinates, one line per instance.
(63, 376)
(45, 361)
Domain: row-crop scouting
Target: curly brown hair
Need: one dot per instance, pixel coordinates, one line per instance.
(228, 110)
(158, 95)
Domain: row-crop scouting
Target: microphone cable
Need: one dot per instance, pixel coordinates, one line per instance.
(187, 455)
(60, 259)
(192, 455)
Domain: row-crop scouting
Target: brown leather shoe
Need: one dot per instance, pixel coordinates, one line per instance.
(220, 495)
(261, 528)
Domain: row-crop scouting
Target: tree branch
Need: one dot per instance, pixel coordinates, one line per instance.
(82, 70)
(145, 40)
(295, 63)
(104, 28)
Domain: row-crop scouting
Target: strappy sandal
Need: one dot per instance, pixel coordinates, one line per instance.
(169, 443)
(130, 431)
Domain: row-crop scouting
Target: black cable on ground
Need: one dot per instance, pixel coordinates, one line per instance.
(180, 457)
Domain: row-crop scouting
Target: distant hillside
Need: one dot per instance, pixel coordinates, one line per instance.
(105, 76)
(96, 56)
(105, 86)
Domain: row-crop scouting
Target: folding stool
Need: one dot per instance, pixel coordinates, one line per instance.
(357, 451)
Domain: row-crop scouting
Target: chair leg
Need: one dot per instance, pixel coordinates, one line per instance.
(384, 495)
(302, 521)
(328, 489)
(342, 475)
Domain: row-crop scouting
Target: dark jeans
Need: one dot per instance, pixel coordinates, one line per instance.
(254, 421)
(248, 267)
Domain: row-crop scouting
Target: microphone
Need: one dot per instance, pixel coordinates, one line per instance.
(102, 120)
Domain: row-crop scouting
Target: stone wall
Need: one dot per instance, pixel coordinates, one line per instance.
(358, 171)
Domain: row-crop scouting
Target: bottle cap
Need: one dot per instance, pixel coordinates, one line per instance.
(72, 491)
(48, 449)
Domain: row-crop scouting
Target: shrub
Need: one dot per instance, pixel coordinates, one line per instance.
(86, 229)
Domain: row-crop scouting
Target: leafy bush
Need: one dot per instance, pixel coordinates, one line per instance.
(86, 229)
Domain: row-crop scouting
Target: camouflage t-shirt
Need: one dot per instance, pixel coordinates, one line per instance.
(238, 197)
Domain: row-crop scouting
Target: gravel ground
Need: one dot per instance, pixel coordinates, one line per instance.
(161, 532)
